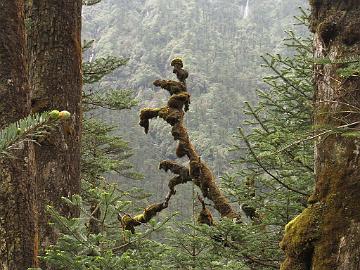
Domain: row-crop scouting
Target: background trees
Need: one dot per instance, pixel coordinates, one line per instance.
(283, 116)
(221, 48)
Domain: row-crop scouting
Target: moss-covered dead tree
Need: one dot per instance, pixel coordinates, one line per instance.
(197, 172)
(18, 234)
(326, 235)
(54, 50)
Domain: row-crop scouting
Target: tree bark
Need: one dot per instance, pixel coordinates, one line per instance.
(327, 234)
(18, 221)
(56, 79)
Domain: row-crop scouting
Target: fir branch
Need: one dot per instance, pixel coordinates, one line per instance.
(90, 2)
(265, 169)
(328, 131)
(118, 99)
(30, 129)
(94, 71)
(283, 77)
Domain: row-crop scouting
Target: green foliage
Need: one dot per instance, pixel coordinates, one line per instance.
(111, 248)
(112, 99)
(90, 2)
(94, 71)
(348, 67)
(275, 176)
(29, 129)
(96, 240)
(194, 246)
(351, 69)
(103, 152)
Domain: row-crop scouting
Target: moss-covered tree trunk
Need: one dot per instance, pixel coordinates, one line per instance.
(55, 77)
(327, 234)
(18, 234)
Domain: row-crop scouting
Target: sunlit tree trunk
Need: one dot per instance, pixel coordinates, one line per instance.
(18, 234)
(55, 77)
(327, 234)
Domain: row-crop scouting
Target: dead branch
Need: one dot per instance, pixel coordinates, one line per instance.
(173, 114)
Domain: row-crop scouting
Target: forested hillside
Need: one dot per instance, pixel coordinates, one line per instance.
(221, 43)
(171, 135)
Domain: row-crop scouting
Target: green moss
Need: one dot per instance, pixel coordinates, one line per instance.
(205, 217)
(177, 62)
(299, 238)
(302, 230)
(164, 112)
(178, 101)
(129, 223)
(147, 114)
(340, 152)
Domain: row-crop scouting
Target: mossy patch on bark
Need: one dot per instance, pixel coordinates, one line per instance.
(298, 241)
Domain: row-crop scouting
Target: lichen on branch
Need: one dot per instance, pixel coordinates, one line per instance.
(129, 223)
(197, 172)
(205, 216)
(174, 114)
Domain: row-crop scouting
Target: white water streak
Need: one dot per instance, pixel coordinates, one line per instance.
(246, 12)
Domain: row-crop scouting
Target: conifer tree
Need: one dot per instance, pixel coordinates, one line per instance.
(275, 163)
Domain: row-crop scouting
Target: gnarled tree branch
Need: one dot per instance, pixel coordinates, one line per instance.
(198, 171)
(173, 114)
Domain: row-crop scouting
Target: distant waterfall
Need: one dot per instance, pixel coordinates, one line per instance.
(246, 12)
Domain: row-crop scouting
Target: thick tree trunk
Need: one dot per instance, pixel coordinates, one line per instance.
(327, 234)
(55, 77)
(18, 223)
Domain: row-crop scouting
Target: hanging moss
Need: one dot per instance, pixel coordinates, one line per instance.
(179, 132)
(146, 115)
(172, 86)
(181, 73)
(198, 172)
(175, 168)
(181, 150)
(205, 216)
(179, 101)
(172, 116)
(181, 171)
(177, 62)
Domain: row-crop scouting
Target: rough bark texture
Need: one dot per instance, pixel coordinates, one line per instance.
(55, 77)
(18, 223)
(13, 83)
(326, 235)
